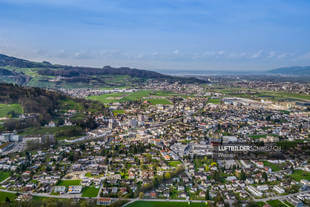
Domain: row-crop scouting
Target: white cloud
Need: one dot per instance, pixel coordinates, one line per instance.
(176, 52)
(283, 55)
(257, 54)
(271, 54)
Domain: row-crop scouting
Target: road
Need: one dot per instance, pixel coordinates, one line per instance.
(131, 200)
(161, 200)
(281, 197)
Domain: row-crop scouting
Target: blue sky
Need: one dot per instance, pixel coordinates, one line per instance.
(159, 34)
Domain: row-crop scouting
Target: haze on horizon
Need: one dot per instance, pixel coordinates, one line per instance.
(159, 34)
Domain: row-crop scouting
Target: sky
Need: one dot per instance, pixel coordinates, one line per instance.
(242, 35)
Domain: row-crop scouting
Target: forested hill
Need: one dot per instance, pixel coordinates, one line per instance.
(45, 74)
(45, 105)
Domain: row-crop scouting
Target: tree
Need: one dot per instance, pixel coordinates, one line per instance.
(7, 200)
(265, 176)
(167, 176)
(207, 195)
(218, 198)
(243, 175)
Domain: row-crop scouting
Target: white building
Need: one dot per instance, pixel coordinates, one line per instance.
(278, 189)
(60, 189)
(262, 187)
(75, 189)
(254, 191)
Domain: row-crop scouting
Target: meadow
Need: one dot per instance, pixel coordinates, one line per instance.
(4, 175)
(67, 183)
(134, 96)
(300, 175)
(90, 191)
(6, 108)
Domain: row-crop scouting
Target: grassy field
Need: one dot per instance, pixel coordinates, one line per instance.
(116, 112)
(3, 196)
(284, 95)
(257, 94)
(276, 203)
(134, 96)
(4, 175)
(174, 163)
(6, 108)
(69, 182)
(274, 167)
(155, 101)
(214, 101)
(59, 132)
(165, 204)
(300, 175)
(90, 191)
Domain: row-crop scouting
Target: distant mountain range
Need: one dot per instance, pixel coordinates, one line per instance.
(45, 74)
(295, 70)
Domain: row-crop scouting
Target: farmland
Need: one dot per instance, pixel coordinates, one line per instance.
(158, 97)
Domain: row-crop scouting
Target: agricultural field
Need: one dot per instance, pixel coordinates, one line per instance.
(257, 94)
(5, 109)
(90, 191)
(165, 204)
(134, 96)
(67, 183)
(4, 175)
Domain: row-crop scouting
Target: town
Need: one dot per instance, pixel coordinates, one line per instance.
(161, 147)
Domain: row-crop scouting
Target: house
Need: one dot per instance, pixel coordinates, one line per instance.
(231, 178)
(254, 191)
(114, 190)
(51, 124)
(181, 188)
(60, 189)
(75, 189)
(278, 189)
(262, 187)
(104, 201)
